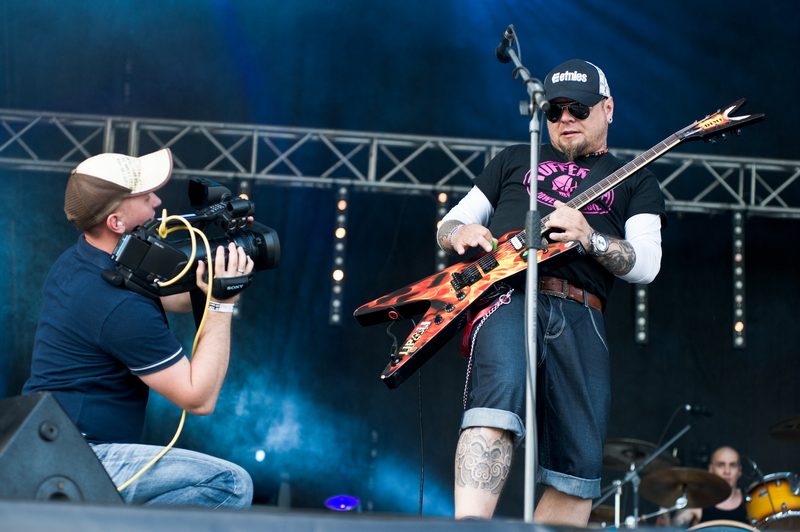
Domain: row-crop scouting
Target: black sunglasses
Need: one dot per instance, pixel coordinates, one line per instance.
(578, 110)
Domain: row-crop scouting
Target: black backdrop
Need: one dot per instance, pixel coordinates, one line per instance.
(303, 403)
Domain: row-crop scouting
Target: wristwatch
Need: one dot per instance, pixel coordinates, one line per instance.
(599, 243)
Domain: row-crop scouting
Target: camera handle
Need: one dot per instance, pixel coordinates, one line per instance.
(226, 287)
(222, 288)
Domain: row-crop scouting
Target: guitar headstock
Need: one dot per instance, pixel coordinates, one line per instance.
(719, 124)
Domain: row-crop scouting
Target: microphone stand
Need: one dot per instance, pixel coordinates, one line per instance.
(532, 242)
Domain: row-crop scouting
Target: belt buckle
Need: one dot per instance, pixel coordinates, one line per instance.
(564, 288)
(563, 294)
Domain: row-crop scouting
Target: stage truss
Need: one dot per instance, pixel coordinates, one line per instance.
(386, 162)
(375, 162)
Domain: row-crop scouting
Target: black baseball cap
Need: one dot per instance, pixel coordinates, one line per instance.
(577, 80)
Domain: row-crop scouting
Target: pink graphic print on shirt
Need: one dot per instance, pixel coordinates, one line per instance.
(557, 181)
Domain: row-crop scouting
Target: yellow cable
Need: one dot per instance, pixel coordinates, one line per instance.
(163, 231)
(158, 457)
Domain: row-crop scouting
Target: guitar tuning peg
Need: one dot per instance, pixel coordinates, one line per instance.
(724, 136)
(737, 132)
(711, 140)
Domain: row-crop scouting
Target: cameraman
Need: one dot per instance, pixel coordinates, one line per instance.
(100, 348)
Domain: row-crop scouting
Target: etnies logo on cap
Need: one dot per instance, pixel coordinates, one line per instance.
(569, 76)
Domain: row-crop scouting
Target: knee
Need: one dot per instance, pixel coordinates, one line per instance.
(241, 492)
(230, 487)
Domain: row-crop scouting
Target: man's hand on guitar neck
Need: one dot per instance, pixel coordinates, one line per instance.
(569, 224)
(618, 257)
(456, 237)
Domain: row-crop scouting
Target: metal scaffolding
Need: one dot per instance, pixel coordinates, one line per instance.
(380, 162)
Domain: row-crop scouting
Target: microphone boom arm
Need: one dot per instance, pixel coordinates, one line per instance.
(533, 85)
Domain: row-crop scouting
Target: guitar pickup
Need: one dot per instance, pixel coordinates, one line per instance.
(518, 241)
(466, 277)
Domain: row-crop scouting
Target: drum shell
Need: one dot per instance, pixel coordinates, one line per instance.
(774, 502)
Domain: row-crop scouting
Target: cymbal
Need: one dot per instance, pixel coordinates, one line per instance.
(786, 429)
(703, 489)
(618, 454)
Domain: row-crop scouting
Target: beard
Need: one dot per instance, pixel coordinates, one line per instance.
(591, 141)
(572, 150)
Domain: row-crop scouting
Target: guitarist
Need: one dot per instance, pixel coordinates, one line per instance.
(621, 230)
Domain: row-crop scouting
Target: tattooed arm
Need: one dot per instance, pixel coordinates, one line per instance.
(636, 258)
(616, 255)
(464, 226)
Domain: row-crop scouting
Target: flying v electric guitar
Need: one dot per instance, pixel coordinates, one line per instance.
(443, 298)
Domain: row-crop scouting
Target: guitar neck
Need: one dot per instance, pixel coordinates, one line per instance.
(595, 191)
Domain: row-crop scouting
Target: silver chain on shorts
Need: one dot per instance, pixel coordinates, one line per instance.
(502, 300)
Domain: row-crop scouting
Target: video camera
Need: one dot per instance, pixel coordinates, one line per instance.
(143, 258)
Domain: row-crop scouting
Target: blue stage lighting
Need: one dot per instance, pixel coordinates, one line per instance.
(342, 503)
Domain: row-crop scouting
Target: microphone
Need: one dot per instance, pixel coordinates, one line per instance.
(505, 42)
(698, 410)
(754, 465)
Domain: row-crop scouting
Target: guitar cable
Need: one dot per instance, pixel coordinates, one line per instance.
(421, 437)
(393, 358)
(421, 443)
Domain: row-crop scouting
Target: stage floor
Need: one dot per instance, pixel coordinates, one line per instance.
(25, 515)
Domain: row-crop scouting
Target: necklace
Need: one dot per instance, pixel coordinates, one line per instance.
(597, 153)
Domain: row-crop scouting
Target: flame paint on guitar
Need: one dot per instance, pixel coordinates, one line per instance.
(443, 299)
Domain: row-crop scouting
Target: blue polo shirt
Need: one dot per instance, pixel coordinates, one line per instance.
(92, 342)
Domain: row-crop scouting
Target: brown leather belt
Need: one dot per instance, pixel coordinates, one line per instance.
(552, 286)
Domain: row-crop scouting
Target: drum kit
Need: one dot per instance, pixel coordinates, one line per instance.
(772, 502)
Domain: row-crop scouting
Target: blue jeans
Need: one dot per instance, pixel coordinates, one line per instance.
(179, 478)
(573, 387)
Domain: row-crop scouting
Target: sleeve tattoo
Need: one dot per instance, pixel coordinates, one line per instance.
(620, 257)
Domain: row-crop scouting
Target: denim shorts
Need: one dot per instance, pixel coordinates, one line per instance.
(573, 387)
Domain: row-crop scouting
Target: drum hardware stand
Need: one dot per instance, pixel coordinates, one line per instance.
(633, 477)
(680, 504)
(617, 502)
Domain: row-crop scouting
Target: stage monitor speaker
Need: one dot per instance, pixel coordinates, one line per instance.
(43, 456)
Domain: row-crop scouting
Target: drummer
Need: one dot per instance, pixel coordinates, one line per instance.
(724, 463)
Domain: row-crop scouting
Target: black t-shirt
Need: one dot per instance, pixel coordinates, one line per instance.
(93, 342)
(713, 514)
(505, 182)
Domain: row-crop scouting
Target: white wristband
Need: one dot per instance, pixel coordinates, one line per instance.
(452, 232)
(221, 307)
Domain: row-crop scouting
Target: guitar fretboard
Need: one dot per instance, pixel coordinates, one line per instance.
(598, 189)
